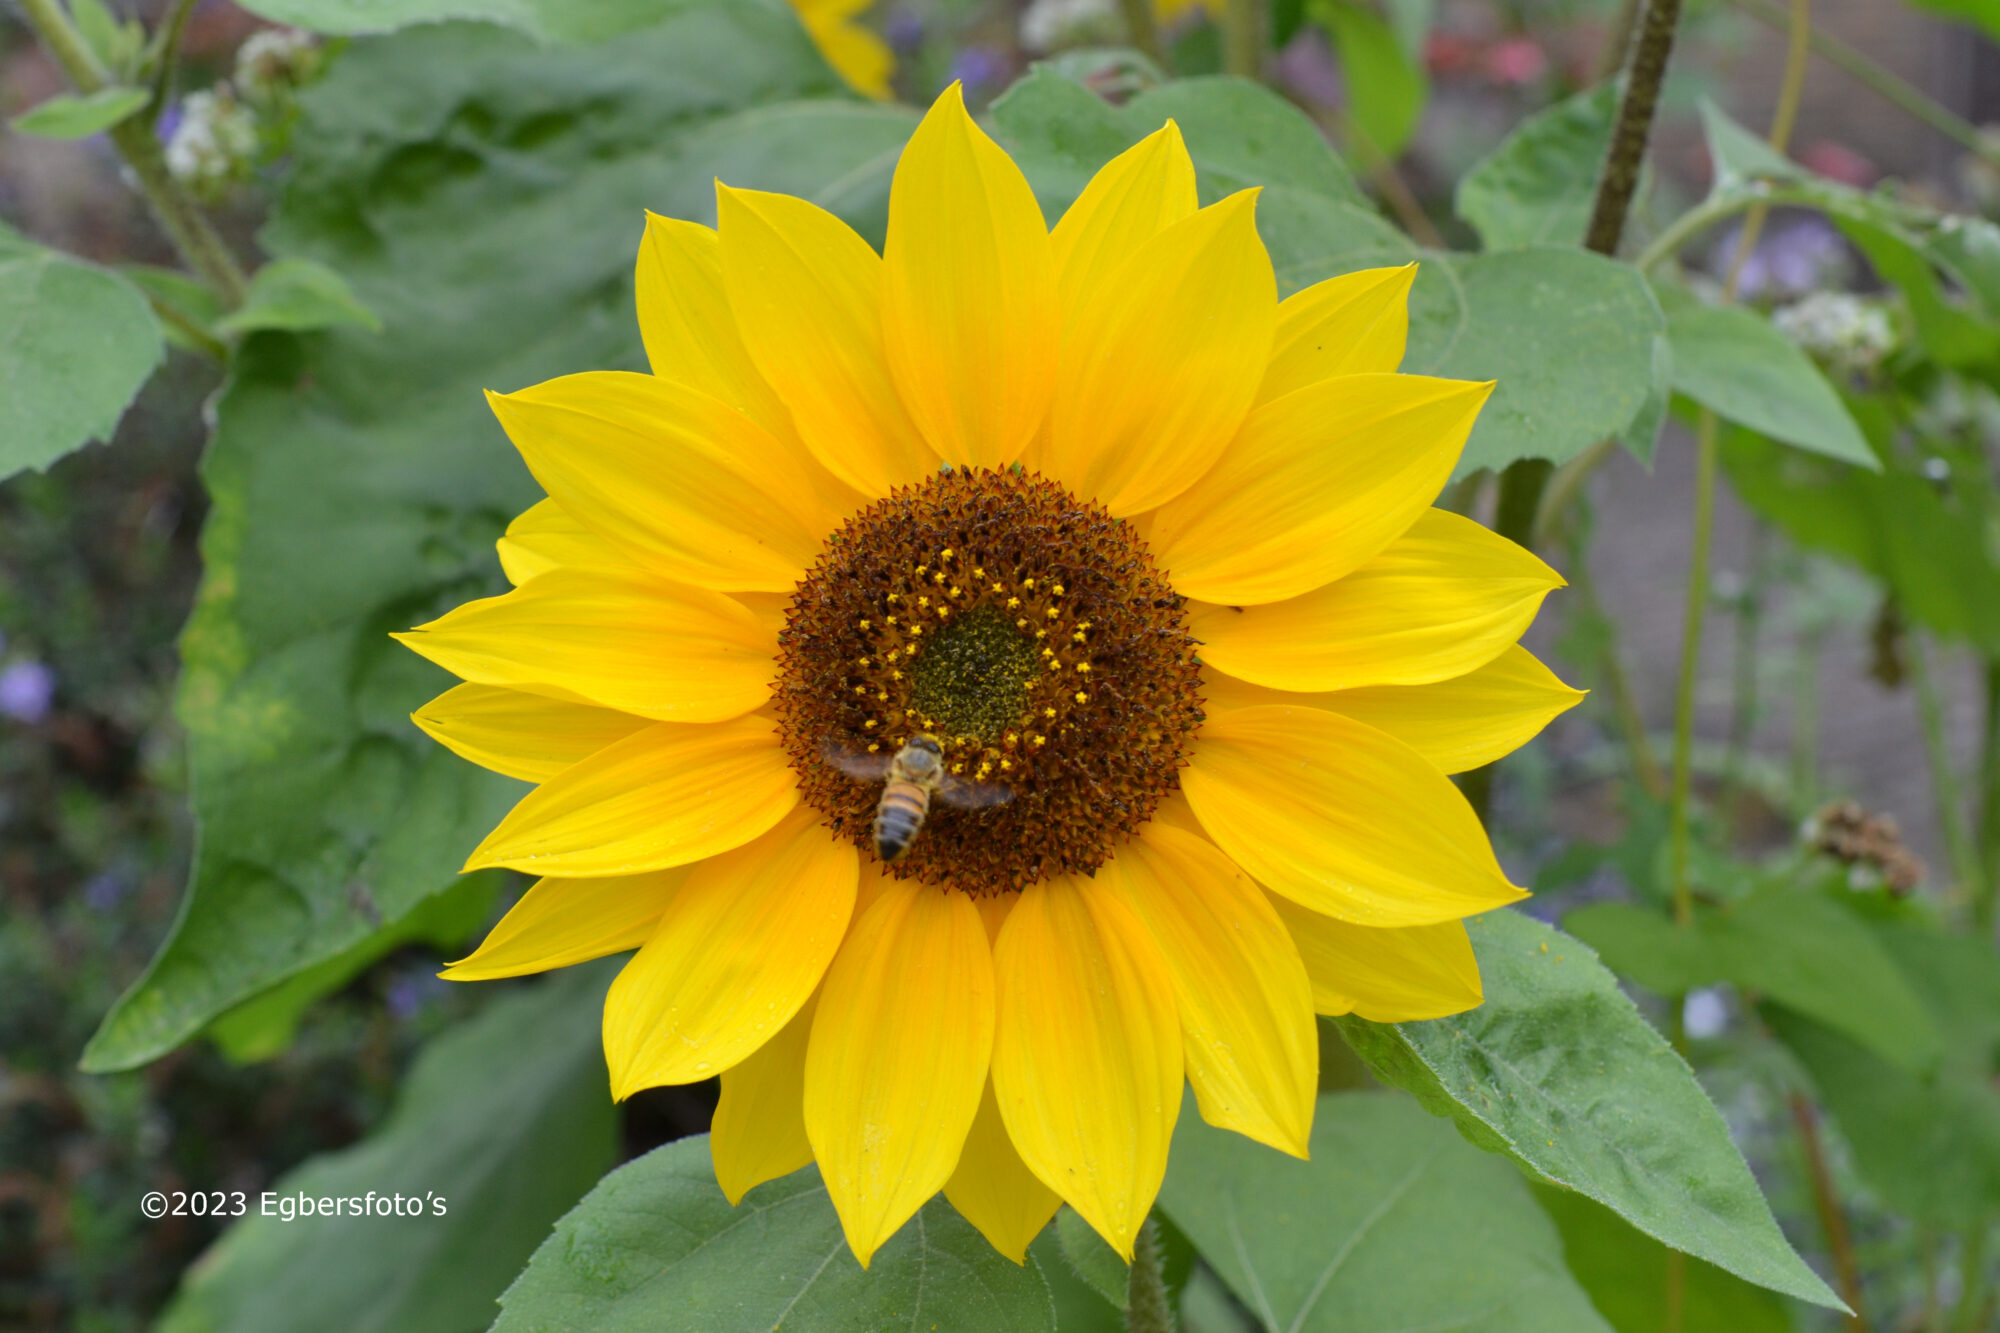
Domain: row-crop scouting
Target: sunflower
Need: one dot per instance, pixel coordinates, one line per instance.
(1145, 553)
(856, 53)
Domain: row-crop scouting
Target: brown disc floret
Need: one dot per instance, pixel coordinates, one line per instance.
(1026, 630)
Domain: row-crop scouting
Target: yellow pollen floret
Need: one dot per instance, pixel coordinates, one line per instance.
(1046, 712)
(1027, 583)
(1056, 588)
(1053, 613)
(1083, 666)
(869, 725)
(945, 554)
(1012, 602)
(1081, 697)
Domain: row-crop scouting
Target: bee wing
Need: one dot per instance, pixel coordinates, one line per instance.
(856, 762)
(968, 795)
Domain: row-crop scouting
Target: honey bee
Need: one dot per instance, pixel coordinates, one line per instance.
(910, 779)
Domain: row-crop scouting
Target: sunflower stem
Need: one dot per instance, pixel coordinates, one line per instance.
(1147, 1309)
(1646, 70)
(199, 244)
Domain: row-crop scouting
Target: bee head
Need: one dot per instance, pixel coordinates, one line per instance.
(928, 744)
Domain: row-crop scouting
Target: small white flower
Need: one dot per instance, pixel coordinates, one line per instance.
(1847, 333)
(1049, 24)
(214, 142)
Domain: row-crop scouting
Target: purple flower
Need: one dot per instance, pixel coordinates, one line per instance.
(105, 891)
(26, 691)
(977, 66)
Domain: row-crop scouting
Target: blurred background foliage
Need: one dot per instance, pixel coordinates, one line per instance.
(193, 612)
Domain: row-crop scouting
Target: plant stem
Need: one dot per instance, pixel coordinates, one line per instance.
(166, 56)
(1884, 83)
(1243, 39)
(1846, 1272)
(1743, 691)
(1684, 689)
(1676, 1302)
(1972, 1287)
(1965, 868)
(1146, 1307)
(1140, 27)
(1646, 70)
(1612, 58)
(1805, 716)
(1782, 120)
(1989, 799)
(173, 208)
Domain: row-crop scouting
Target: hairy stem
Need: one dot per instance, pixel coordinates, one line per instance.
(1846, 1272)
(200, 246)
(1140, 28)
(1146, 1307)
(1645, 71)
(166, 57)
(1989, 799)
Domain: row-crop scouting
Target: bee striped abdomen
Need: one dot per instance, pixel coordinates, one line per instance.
(898, 818)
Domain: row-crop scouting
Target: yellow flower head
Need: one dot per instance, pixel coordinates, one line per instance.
(856, 53)
(994, 682)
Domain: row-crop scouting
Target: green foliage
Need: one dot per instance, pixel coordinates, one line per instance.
(298, 295)
(1091, 1259)
(78, 116)
(1558, 1070)
(1929, 1143)
(358, 480)
(1385, 84)
(1536, 188)
(506, 1120)
(657, 1246)
(1625, 1273)
(1394, 1223)
(1799, 949)
(76, 344)
(1732, 360)
(545, 20)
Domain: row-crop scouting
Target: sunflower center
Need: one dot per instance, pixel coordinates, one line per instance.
(1027, 633)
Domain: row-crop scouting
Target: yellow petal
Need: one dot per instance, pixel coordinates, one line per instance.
(1087, 1053)
(666, 796)
(898, 1056)
(759, 1130)
(807, 294)
(993, 1188)
(856, 53)
(544, 537)
(1355, 324)
(1161, 362)
(687, 325)
(1132, 198)
(691, 488)
(525, 736)
(1445, 598)
(1246, 1008)
(1393, 975)
(559, 922)
(968, 292)
(1467, 721)
(1317, 483)
(739, 949)
(661, 650)
(1341, 818)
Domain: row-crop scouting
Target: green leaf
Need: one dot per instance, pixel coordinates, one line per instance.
(1732, 360)
(1570, 336)
(1800, 949)
(299, 295)
(1239, 134)
(183, 296)
(74, 116)
(657, 1246)
(264, 1026)
(1394, 1223)
(1626, 1275)
(76, 344)
(1386, 87)
(1537, 187)
(1928, 1144)
(1080, 1307)
(1982, 13)
(1559, 1071)
(505, 1119)
(485, 197)
(1091, 1259)
(1901, 527)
